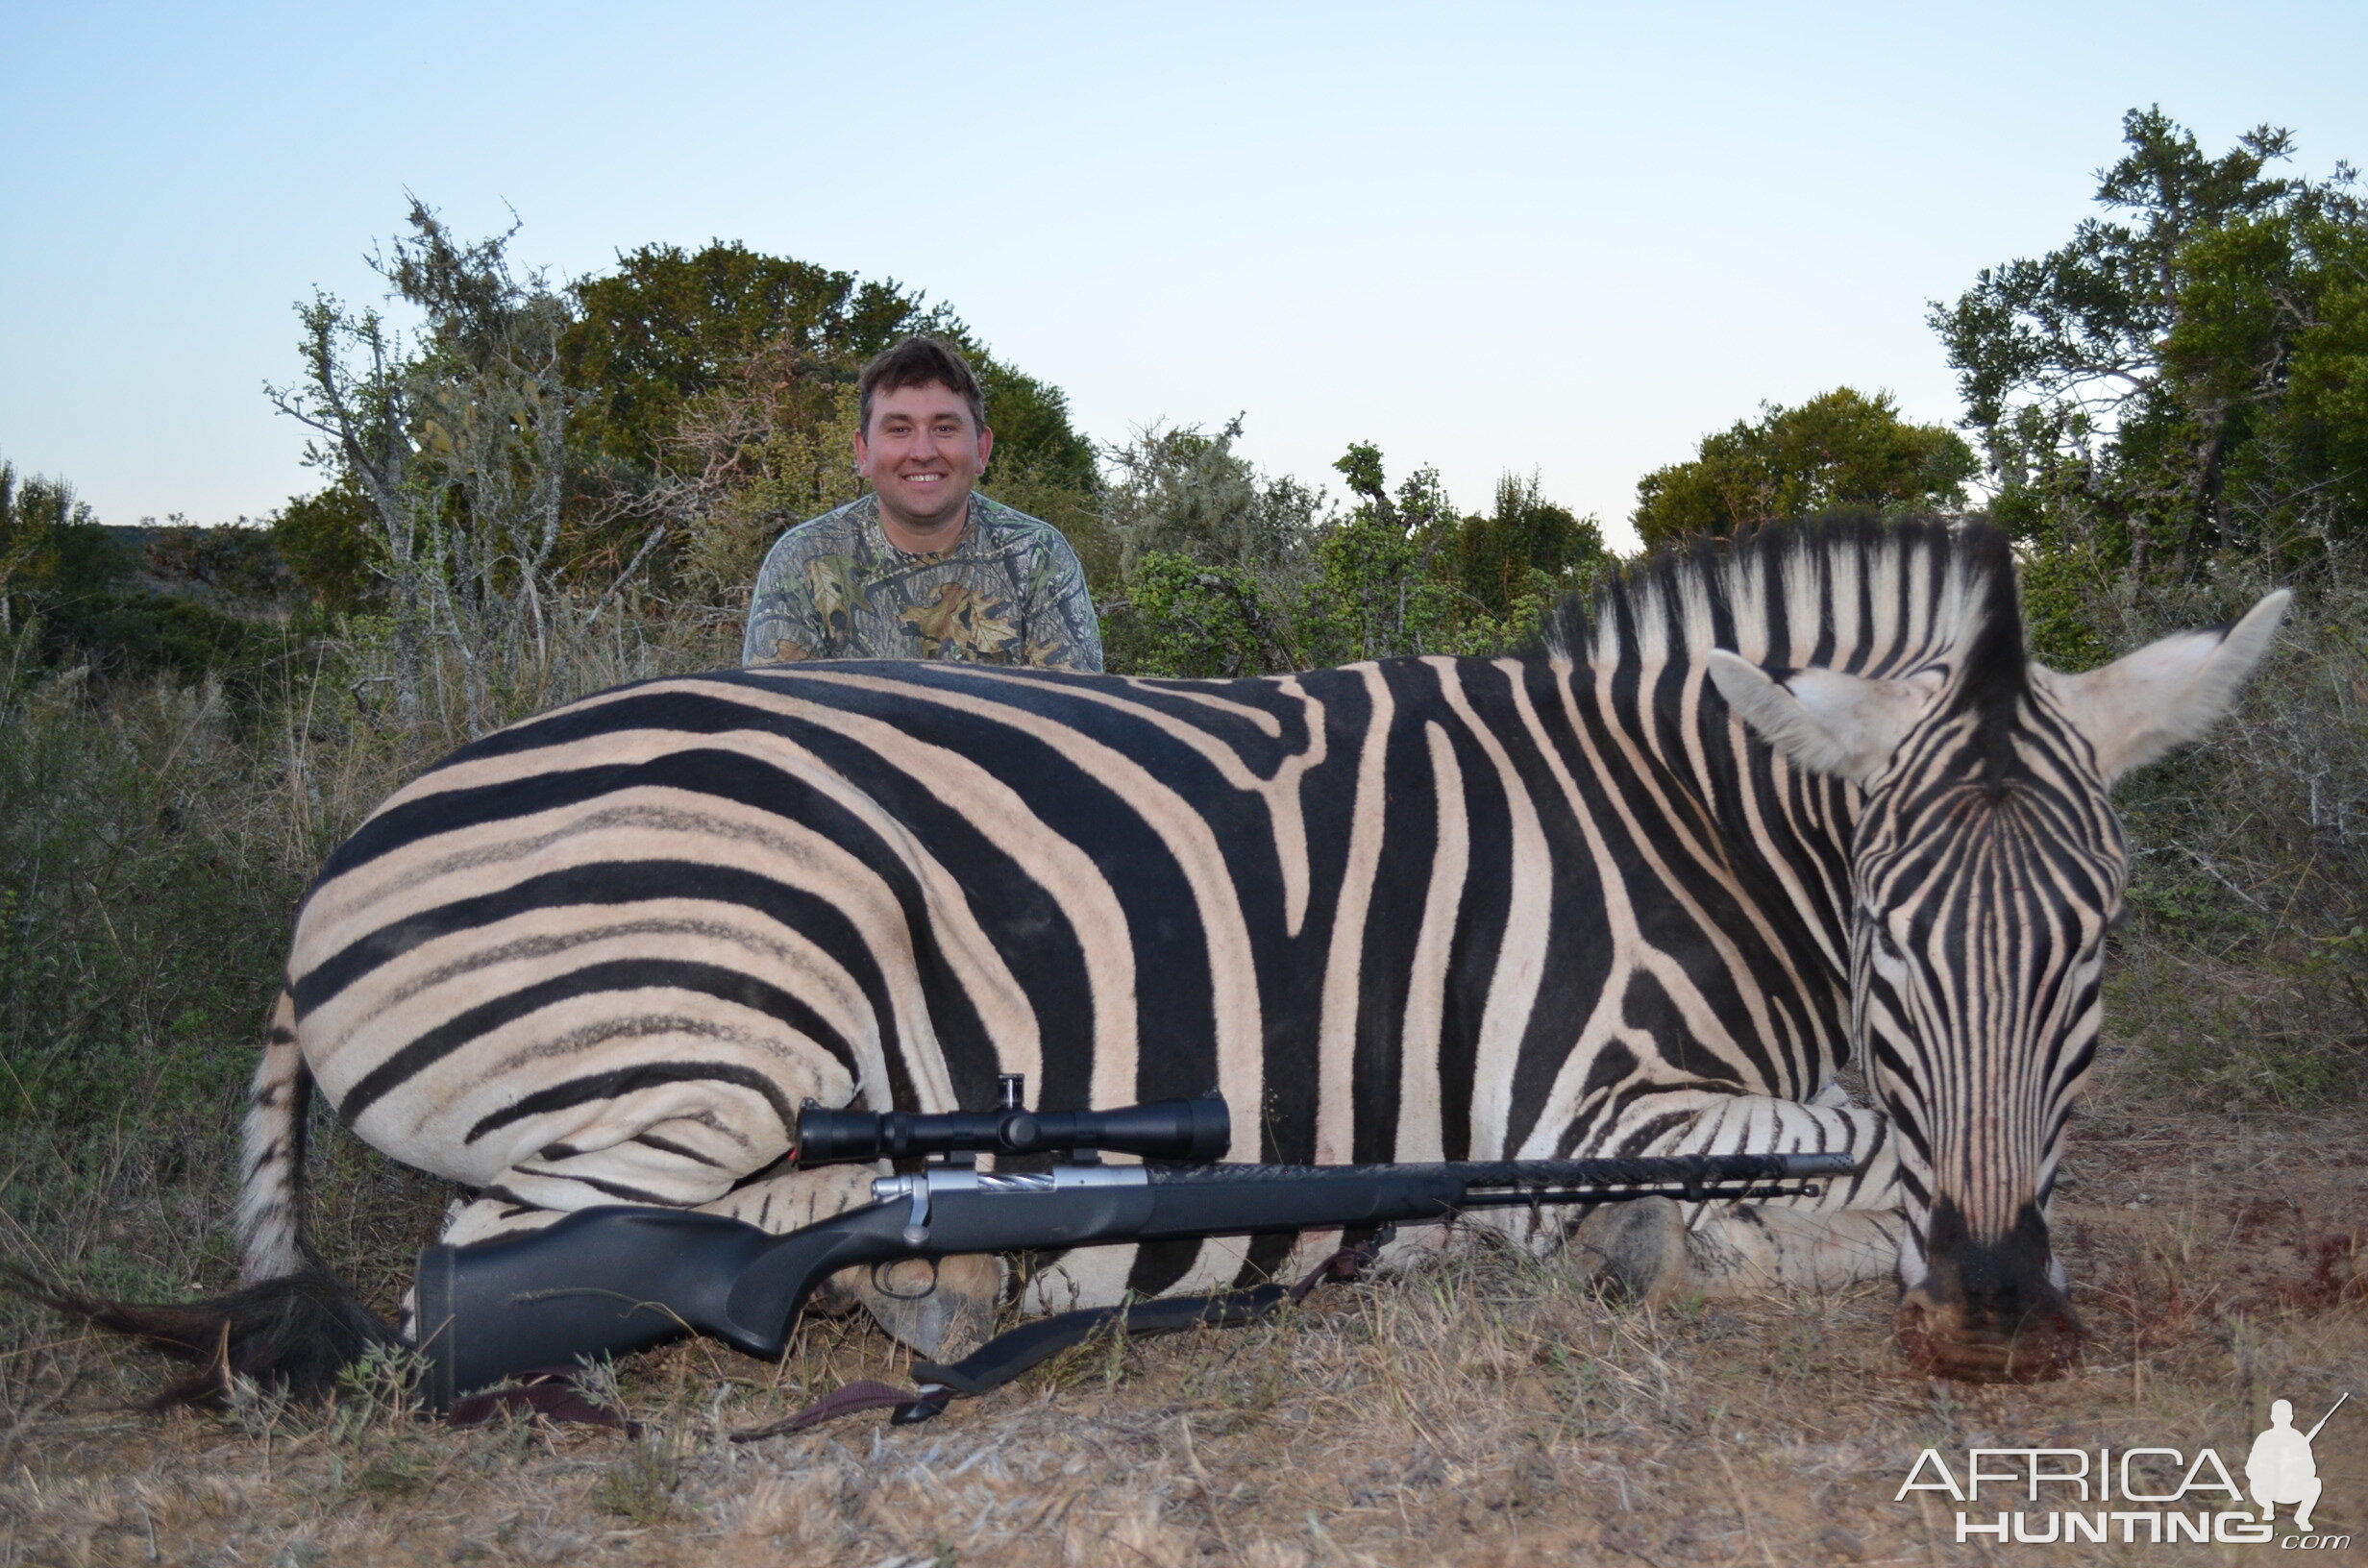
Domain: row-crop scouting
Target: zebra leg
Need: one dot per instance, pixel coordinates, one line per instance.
(1651, 1250)
(1645, 1252)
(779, 1204)
(1634, 1251)
(1751, 1248)
(1755, 1247)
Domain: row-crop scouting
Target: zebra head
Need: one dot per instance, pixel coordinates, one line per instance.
(1985, 868)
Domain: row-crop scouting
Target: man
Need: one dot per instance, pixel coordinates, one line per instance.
(924, 567)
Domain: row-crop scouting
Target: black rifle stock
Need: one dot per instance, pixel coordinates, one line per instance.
(609, 1281)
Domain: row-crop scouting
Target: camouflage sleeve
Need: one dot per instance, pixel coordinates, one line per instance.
(784, 626)
(1062, 630)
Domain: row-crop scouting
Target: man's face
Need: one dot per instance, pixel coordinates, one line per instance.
(923, 454)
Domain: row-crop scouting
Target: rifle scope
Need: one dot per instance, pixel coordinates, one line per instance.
(1192, 1132)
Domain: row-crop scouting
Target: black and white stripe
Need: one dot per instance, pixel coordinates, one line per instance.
(1428, 908)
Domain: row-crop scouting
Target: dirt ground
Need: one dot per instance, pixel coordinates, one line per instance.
(1486, 1411)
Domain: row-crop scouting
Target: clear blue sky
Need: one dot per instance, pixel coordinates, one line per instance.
(1566, 238)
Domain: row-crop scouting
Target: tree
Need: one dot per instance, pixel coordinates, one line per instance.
(65, 586)
(1840, 449)
(1186, 491)
(51, 547)
(327, 541)
(1526, 552)
(1387, 584)
(233, 565)
(2183, 377)
(1032, 431)
(1202, 561)
(1184, 619)
(1231, 572)
(762, 452)
(679, 351)
(2269, 358)
(461, 447)
(1404, 572)
(30, 517)
(667, 327)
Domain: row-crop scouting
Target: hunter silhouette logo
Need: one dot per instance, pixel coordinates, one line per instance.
(2281, 1468)
(2138, 1495)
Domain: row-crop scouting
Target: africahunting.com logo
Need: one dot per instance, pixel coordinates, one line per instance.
(2139, 1496)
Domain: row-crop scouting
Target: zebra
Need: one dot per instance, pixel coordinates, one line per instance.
(1765, 808)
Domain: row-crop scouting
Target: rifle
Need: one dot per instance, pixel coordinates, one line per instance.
(613, 1279)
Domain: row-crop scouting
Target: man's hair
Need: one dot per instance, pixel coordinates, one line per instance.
(919, 362)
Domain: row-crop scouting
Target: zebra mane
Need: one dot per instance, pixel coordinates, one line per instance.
(1850, 591)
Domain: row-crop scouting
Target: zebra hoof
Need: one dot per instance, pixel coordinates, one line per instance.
(1634, 1251)
(944, 1310)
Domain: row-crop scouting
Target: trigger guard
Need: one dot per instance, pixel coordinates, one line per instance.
(883, 1270)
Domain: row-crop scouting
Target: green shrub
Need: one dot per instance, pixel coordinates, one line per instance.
(2242, 973)
(140, 928)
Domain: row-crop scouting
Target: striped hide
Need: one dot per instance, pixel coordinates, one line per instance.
(1760, 811)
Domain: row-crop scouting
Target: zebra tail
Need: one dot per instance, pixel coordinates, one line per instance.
(270, 1223)
(295, 1334)
(291, 1324)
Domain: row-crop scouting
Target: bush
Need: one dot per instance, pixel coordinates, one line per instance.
(143, 903)
(1223, 571)
(2244, 974)
(140, 636)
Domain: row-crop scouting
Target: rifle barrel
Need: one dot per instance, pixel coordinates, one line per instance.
(1600, 1171)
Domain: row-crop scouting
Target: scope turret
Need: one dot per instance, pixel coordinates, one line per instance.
(1191, 1132)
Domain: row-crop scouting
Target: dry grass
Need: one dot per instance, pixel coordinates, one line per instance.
(1486, 1410)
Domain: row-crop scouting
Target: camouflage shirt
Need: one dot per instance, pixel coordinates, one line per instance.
(1009, 592)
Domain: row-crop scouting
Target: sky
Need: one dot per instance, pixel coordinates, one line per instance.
(1564, 240)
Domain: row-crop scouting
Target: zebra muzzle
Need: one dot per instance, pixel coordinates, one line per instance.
(1987, 1311)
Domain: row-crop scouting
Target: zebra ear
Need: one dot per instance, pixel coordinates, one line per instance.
(1825, 721)
(2168, 692)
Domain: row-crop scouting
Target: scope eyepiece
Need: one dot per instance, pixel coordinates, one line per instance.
(1191, 1132)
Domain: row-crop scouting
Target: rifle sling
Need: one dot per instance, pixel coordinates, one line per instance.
(1012, 1354)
